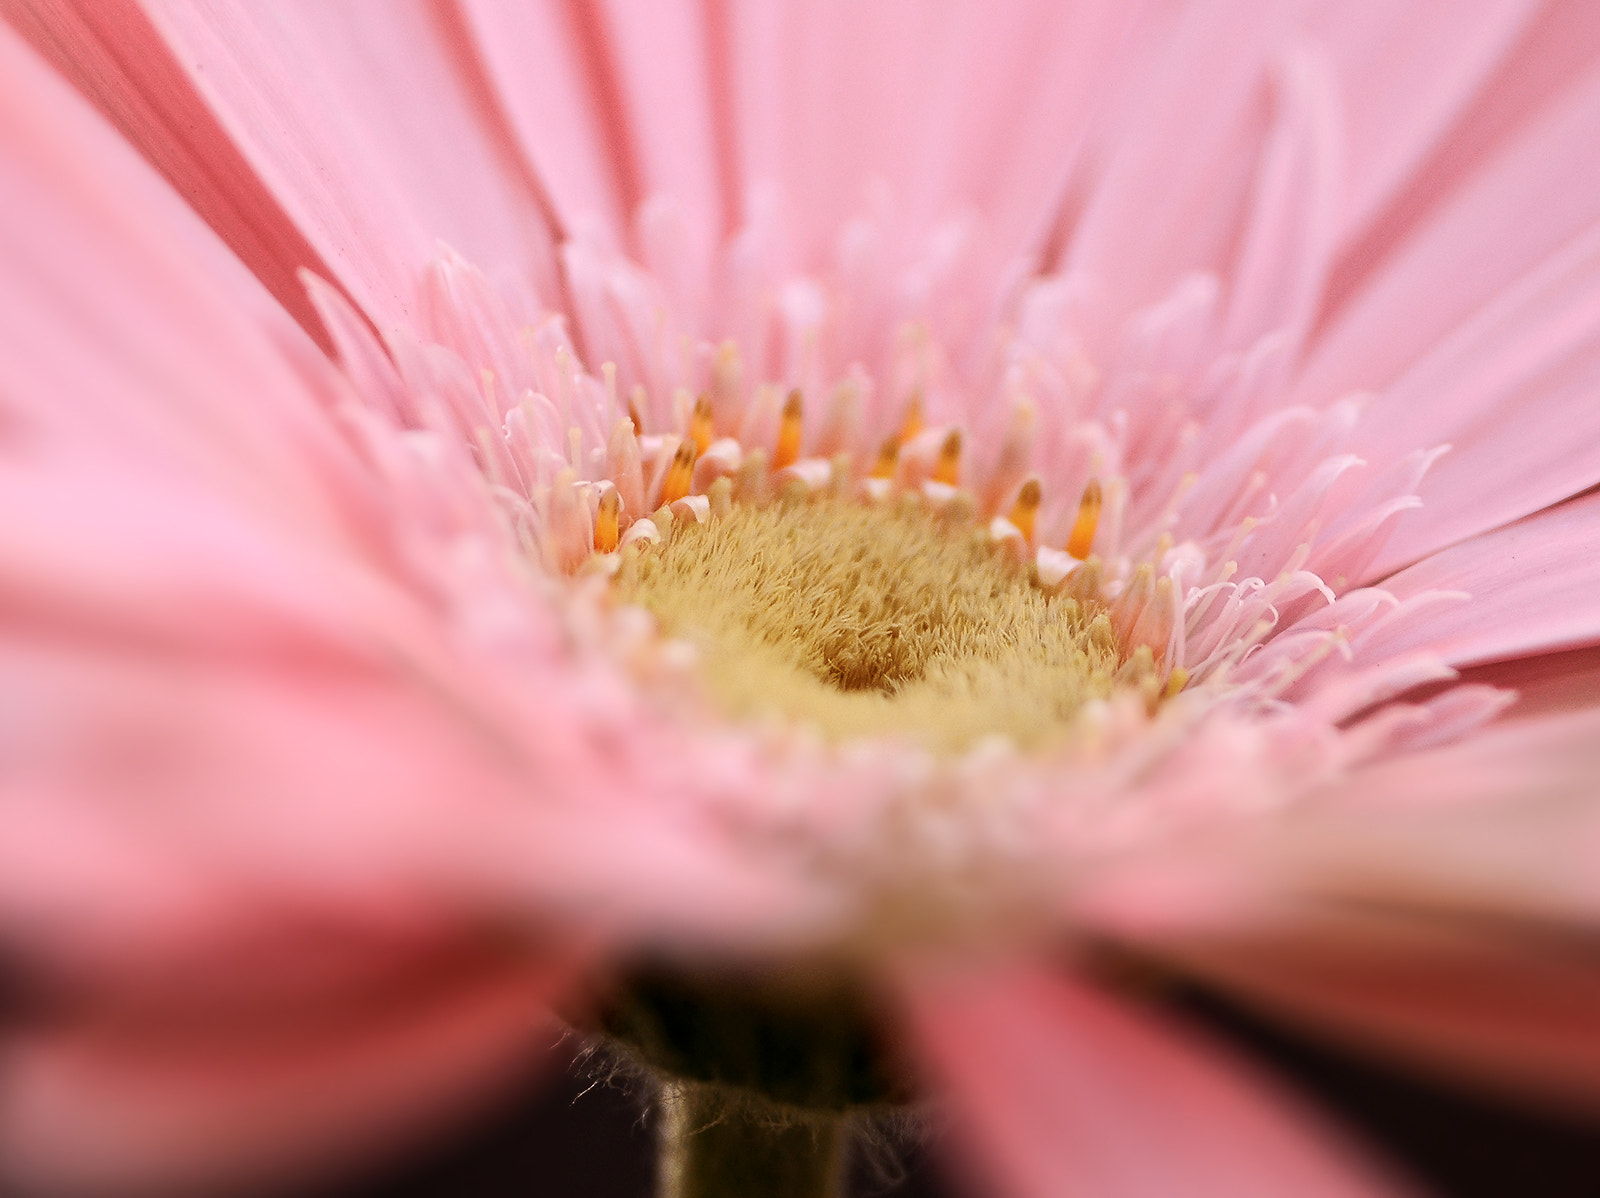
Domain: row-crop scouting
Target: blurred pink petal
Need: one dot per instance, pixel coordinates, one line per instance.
(1066, 1091)
(611, 110)
(1454, 929)
(170, 1102)
(205, 678)
(321, 660)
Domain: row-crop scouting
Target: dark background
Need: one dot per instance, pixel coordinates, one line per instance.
(578, 1134)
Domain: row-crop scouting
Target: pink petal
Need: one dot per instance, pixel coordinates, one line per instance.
(925, 88)
(1547, 684)
(1535, 588)
(152, 1102)
(1512, 393)
(1466, 253)
(1503, 1005)
(1407, 71)
(1180, 172)
(613, 104)
(550, 67)
(1438, 906)
(1064, 1091)
(115, 295)
(1278, 275)
(372, 128)
(112, 54)
(1552, 52)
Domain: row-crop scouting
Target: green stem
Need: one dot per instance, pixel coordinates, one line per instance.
(713, 1146)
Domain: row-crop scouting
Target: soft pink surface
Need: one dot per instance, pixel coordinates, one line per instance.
(1062, 1090)
(220, 694)
(271, 666)
(1531, 585)
(112, 53)
(1431, 275)
(365, 122)
(180, 603)
(1443, 915)
(223, 1095)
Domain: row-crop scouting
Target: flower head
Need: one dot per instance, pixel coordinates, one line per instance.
(865, 520)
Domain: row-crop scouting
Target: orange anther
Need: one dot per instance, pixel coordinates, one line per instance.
(911, 422)
(701, 427)
(948, 468)
(1082, 538)
(606, 525)
(633, 416)
(1026, 508)
(680, 473)
(888, 455)
(788, 448)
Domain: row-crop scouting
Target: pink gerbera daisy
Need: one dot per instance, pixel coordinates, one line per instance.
(815, 544)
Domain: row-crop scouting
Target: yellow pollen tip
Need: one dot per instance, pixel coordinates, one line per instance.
(680, 473)
(701, 426)
(1026, 508)
(788, 448)
(606, 524)
(888, 455)
(911, 422)
(1083, 529)
(1176, 681)
(948, 470)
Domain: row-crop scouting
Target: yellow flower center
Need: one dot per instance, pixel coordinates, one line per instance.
(868, 619)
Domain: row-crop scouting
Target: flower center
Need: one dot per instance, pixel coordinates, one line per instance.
(866, 619)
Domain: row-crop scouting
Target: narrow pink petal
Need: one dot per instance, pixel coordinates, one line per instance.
(1466, 253)
(369, 125)
(616, 106)
(1180, 171)
(553, 71)
(925, 88)
(114, 295)
(1042, 74)
(1406, 72)
(1064, 1091)
(1553, 53)
(796, 67)
(1512, 393)
(1278, 275)
(1504, 1005)
(1548, 684)
(1534, 587)
(114, 56)
(1439, 906)
(111, 1104)
(661, 60)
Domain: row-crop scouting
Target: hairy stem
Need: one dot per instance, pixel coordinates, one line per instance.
(716, 1147)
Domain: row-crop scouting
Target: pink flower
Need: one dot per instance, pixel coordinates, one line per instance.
(333, 763)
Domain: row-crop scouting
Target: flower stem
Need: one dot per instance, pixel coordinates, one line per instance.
(716, 1147)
